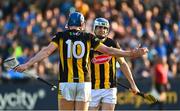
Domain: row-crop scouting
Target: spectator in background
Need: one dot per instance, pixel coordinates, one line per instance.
(1, 63)
(160, 78)
(81, 7)
(176, 53)
(172, 62)
(17, 49)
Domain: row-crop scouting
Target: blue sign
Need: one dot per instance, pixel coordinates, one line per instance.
(34, 95)
(31, 96)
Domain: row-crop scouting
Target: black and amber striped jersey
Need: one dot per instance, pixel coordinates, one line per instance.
(103, 67)
(74, 49)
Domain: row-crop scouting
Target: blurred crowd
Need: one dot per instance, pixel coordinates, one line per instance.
(28, 25)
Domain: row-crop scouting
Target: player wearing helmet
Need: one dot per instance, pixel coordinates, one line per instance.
(103, 71)
(74, 47)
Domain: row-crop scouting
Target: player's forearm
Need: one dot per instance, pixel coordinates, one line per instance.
(116, 52)
(127, 72)
(120, 53)
(38, 57)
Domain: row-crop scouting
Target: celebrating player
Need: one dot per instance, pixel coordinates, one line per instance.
(103, 71)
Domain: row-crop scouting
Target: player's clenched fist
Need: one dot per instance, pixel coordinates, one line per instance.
(139, 52)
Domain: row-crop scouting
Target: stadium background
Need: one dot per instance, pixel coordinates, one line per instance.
(28, 25)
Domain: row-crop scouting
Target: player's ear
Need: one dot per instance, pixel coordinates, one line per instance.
(83, 25)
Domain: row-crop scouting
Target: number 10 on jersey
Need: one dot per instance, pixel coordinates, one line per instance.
(72, 49)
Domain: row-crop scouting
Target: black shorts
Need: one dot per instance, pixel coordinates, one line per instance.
(160, 87)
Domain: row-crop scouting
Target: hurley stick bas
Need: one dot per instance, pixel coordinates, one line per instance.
(150, 98)
(12, 63)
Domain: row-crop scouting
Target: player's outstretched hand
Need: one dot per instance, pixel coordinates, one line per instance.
(138, 52)
(21, 68)
(134, 89)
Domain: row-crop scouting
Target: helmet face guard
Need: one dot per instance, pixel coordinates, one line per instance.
(75, 19)
(101, 22)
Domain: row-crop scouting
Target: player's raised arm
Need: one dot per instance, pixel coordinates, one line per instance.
(43, 53)
(122, 53)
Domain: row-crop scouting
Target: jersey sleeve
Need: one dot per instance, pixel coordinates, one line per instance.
(55, 39)
(95, 42)
(114, 44)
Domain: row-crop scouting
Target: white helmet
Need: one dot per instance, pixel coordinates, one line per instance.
(101, 22)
